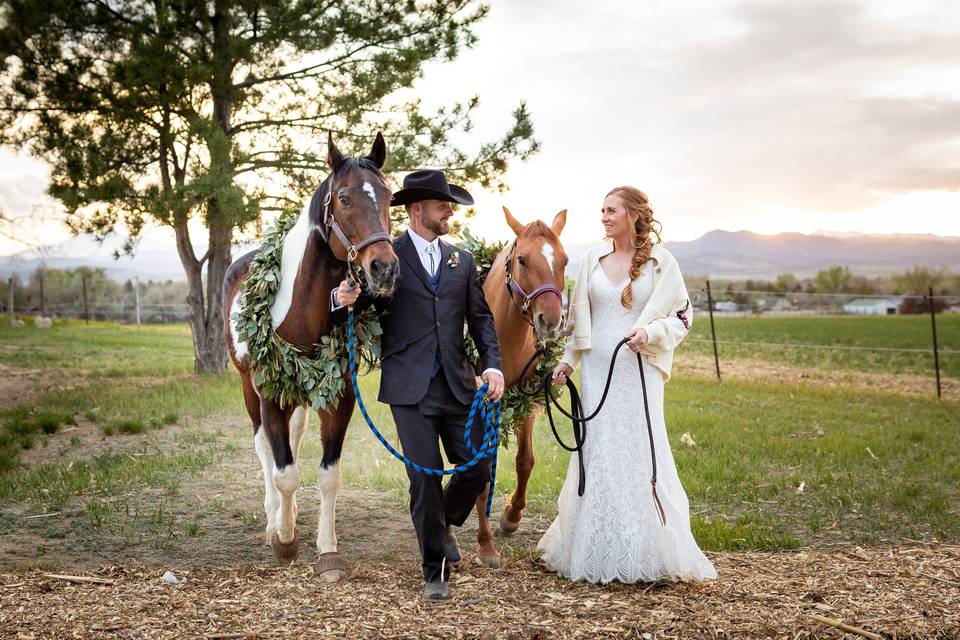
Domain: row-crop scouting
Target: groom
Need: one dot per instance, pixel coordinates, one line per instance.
(425, 375)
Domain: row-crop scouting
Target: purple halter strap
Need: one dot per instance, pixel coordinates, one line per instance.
(514, 289)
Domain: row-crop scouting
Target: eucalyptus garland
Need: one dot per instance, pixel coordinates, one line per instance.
(483, 254)
(284, 372)
(518, 403)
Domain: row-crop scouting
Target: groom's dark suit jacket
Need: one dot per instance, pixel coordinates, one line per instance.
(420, 323)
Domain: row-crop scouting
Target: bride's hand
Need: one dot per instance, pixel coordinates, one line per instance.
(561, 373)
(638, 339)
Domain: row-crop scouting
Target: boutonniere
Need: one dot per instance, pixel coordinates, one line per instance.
(453, 260)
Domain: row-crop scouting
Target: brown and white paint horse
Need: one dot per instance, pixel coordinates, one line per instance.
(355, 212)
(523, 289)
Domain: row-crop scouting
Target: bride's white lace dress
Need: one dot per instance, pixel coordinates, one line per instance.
(613, 531)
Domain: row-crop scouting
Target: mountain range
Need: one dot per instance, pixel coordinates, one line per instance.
(718, 254)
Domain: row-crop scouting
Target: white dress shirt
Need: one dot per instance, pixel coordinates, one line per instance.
(422, 250)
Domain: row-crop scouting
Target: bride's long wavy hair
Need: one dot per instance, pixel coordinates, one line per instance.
(643, 224)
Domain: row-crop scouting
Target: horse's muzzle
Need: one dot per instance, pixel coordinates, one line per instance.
(546, 330)
(382, 276)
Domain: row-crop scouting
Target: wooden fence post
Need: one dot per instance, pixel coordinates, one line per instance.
(86, 308)
(136, 289)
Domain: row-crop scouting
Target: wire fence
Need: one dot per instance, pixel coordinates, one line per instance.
(919, 350)
(93, 297)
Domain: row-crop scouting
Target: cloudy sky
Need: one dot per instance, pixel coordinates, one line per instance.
(768, 116)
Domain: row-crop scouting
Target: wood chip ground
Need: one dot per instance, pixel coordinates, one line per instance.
(896, 592)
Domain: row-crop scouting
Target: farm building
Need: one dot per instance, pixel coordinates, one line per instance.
(872, 307)
(728, 306)
(776, 305)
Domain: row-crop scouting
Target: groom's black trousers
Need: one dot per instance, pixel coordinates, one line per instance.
(439, 415)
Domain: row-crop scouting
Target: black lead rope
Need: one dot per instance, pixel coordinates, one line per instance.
(580, 422)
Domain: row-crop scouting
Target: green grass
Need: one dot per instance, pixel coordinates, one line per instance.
(48, 486)
(756, 442)
(906, 332)
(22, 425)
(100, 349)
(876, 467)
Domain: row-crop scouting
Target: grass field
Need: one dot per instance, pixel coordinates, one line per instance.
(874, 466)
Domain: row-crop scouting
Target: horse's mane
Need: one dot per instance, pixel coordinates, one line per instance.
(352, 164)
(539, 228)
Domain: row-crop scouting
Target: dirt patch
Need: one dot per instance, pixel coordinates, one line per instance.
(741, 368)
(907, 592)
(19, 385)
(209, 519)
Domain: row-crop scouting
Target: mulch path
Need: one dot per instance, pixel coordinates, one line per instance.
(902, 592)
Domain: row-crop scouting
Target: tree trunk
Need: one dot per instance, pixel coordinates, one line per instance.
(205, 309)
(209, 340)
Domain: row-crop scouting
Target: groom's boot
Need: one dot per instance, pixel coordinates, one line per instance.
(450, 547)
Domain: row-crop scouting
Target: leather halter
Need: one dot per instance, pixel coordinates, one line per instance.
(514, 290)
(328, 223)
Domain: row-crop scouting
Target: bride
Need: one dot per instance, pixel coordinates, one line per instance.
(631, 289)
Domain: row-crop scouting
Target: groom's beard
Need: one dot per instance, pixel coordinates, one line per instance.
(440, 227)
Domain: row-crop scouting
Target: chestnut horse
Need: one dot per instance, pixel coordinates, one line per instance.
(523, 289)
(348, 216)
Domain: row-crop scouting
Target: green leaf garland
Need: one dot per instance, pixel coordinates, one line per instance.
(284, 372)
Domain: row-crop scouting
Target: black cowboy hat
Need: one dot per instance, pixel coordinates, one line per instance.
(429, 184)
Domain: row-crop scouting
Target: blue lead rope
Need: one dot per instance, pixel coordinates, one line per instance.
(491, 420)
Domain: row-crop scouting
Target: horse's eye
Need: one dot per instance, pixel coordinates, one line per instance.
(344, 199)
(522, 262)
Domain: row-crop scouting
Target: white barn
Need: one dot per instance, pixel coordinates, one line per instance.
(872, 307)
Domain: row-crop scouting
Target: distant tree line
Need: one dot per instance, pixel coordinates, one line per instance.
(839, 279)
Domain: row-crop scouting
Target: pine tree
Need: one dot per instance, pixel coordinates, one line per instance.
(163, 111)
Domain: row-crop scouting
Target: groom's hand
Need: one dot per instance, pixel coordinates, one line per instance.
(347, 293)
(495, 381)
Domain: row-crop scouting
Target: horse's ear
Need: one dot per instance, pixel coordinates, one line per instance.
(334, 157)
(378, 154)
(514, 224)
(559, 221)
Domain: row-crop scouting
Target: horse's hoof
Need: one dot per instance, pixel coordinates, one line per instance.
(490, 561)
(285, 553)
(330, 567)
(507, 527)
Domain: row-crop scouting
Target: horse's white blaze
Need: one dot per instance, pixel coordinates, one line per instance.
(271, 498)
(287, 481)
(239, 346)
(298, 426)
(368, 189)
(548, 254)
(328, 481)
(294, 245)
